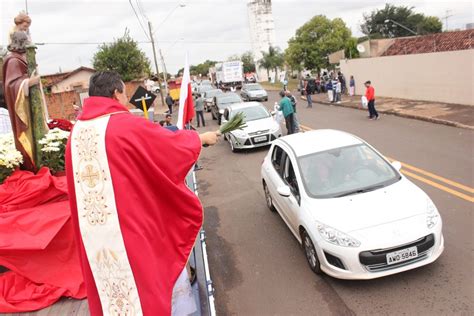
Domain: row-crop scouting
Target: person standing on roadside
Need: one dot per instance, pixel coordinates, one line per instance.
(169, 102)
(199, 108)
(287, 109)
(351, 86)
(329, 90)
(338, 91)
(296, 124)
(307, 91)
(370, 95)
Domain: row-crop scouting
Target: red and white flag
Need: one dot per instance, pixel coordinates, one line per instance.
(186, 103)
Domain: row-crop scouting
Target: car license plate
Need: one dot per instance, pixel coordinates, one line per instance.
(402, 255)
(260, 139)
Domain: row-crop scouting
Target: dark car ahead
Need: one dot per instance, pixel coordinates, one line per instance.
(221, 102)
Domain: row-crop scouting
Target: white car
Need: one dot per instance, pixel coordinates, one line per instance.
(355, 214)
(261, 128)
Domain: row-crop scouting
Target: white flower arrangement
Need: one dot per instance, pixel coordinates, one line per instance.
(53, 148)
(10, 158)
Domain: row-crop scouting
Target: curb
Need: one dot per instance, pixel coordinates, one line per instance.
(404, 115)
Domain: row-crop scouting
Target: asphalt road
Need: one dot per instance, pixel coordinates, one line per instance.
(258, 267)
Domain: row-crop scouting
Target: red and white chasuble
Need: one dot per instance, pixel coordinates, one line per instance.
(135, 220)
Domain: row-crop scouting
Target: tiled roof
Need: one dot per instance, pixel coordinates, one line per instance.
(439, 42)
(50, 80)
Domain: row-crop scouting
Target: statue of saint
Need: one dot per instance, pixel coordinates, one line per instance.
(17, 84)
(22, 24)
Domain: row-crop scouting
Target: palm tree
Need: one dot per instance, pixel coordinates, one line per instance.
(273, 59)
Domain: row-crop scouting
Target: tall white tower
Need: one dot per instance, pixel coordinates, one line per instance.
(262, 30)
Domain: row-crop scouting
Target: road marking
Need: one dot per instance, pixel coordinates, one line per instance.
(439, 186)
(439, 178)
(430, 175)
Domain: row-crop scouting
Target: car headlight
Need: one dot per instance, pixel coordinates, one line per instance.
(239, 133)
(336, 237)
(432, 215)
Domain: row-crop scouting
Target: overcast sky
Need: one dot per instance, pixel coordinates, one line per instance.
(208, 29)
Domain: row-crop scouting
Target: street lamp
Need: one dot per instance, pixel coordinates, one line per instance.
(401, 25)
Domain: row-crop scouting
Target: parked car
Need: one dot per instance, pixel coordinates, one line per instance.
(253, 92)
(354, 213)
(221, 102)
(209, 98)
(201, 89)
(261, 128)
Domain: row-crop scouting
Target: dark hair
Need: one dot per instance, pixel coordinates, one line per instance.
(104, 84)
(162, 123)
(368, 82)
(168, 115)
(282, 94)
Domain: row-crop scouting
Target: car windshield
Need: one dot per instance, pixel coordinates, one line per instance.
(345, 171)
(252, 113)
(205, 88)
(212, 93)
(228, 98)
(253, 87)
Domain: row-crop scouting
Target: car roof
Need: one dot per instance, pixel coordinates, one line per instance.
(227, 95)
(319, 140)
(243, 105)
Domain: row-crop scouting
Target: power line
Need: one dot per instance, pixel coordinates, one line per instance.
(144, 42)
(142, 11)
(138, 18)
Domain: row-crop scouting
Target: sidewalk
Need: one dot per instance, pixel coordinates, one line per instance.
(441, 113)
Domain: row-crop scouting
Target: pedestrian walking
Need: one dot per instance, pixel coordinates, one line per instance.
(169, 102)
(199, 108)
(287, 109)
(351, 86)
(338, 91)
(285, 84)
(296, 124)
(307, 91)
(370, 95)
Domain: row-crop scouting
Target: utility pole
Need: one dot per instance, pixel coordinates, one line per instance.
(156, 63)
(165, 73)
(446, 18)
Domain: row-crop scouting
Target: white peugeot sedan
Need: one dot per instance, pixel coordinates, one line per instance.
(355, 215)
(261, 128)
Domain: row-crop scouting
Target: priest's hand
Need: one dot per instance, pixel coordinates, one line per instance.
(209, 138)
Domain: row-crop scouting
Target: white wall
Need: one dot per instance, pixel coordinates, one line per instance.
(440, 77)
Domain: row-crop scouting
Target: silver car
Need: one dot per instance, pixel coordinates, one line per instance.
(209, 98)
(253, 92)
(261, 128)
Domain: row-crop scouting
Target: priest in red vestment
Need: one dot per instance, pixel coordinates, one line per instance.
(136, 221)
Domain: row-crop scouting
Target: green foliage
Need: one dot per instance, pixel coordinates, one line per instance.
(202, 68)
(374, 23)
(314, 41)
(273, 59)
(247, 59)
(123, 56)
(236, 122)
(350, 50)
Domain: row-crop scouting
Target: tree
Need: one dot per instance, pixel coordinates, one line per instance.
(314, 41)
(273, 59)
(375, 24)
(350, 49)
(202, 68)
(248, 62)
(123, 56)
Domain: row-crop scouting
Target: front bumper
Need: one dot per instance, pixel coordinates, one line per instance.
(253, 141)
(257, 98)
(353, 269)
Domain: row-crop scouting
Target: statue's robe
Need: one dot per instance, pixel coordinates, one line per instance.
(15, 76)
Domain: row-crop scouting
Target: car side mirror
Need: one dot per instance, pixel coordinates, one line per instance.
(284, 191)
(397, 165)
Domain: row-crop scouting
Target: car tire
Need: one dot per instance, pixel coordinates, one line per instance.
(219, 119)
(268, 198)
(310, 253)
(232, 148)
